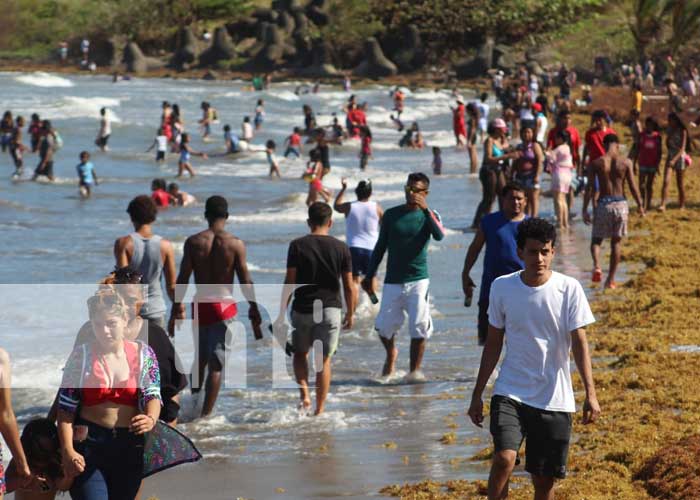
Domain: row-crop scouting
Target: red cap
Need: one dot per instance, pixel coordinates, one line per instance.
(537, 106)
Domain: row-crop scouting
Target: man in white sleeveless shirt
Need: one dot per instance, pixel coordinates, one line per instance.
(362, 219)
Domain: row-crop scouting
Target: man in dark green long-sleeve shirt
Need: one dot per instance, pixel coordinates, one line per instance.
(405, 232)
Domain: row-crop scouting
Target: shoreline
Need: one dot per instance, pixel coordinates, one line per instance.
(425, 79)
(642, 373)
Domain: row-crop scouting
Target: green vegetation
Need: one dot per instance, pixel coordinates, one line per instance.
(454, 23)
(576, 29)
(666, 26)
(32, 27)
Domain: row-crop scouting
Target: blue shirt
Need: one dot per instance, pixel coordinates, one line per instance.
(501, 250)
(230, 136)
(85, 172)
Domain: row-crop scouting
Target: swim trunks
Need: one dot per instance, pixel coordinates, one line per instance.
(610, 218)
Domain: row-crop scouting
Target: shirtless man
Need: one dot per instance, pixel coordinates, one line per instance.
(214, 255)
(610, 213)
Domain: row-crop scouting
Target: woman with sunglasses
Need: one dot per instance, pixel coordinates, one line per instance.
(497, 152)
(172, 381)
(109, 399)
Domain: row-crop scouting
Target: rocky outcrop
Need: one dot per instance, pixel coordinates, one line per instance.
(534, 68)
(186, 49)
(316, 11)
(273, 51)
(136, 62)
(321, 61)
(266, 15)
(246, 27)
(504, 58)
(286, 23)
(210, 75)
(288, 5)
(375, 64)
(542, 55)
(407, 50)
(221, 49)
(478, 65)
(301, 22)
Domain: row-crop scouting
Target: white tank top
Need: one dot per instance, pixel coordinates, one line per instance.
(362, 225)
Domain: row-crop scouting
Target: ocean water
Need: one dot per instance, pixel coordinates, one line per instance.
(373, 433)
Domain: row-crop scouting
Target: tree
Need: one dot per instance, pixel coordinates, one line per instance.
(647, 22)
(685, 23)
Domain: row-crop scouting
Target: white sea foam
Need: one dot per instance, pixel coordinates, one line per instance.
(41, 79)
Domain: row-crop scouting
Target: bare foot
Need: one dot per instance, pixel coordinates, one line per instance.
(661, 208)
(390, 363)
(610, 285)
(318, 411)
(304, 406)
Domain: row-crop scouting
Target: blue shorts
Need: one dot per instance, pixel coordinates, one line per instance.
(360, 260)
(214, 343)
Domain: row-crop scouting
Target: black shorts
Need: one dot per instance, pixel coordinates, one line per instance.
(160, 156)
(102, 141)
(483, 322)
(360, 260)
(547, 434)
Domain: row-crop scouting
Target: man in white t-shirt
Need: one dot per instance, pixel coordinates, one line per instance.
(542, 314)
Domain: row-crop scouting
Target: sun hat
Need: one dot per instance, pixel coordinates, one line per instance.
(499, 123)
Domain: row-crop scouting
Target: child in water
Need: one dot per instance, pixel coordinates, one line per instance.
(86, 174)
(247, 129)
(293, 143)
(259, 114)
(186, 153)
(271, 160)
(366, 148)
(314, 176)
(179, 198)
(437, 160)
(161, 141)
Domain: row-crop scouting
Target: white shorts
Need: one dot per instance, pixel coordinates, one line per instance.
(399, 300)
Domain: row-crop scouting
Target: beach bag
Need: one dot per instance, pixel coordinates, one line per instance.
(57, 140)
(687, 160)
(166, 447)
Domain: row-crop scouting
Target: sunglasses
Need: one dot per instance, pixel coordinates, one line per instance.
(414, 190)
(124, 275)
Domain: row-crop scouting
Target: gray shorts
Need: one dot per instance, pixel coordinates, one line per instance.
(213, 343)
(306, 331)
(546, 435)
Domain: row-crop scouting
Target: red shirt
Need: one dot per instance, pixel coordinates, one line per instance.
(161, 198)
(594, 143)
(649, 149)
(575, 141)
(294, 139)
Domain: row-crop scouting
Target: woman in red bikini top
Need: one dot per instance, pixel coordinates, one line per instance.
(109, 398)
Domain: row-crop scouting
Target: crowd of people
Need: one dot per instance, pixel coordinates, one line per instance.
(128, 358)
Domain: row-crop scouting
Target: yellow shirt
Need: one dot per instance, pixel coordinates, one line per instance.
(637, 100)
